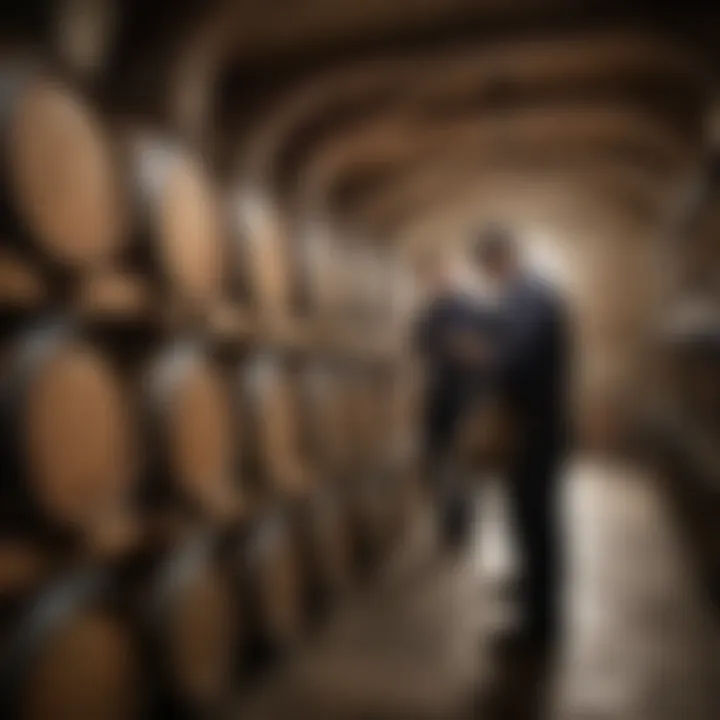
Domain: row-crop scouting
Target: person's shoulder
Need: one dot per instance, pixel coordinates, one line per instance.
(543, 291)
(438, 308)
(545, 297)
(454, 301)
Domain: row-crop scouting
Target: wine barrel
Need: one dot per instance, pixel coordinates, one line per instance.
(363, 283)
(69, 653)
(191, 435)
(326, 542)
(329, 446)
(366, 261)
(268, 565)
(154, 633)
(383, 282)
(190, 625)
(260, 253)
(270, 401)
(61, 200)
(360, 401)
(178, 234)
(316, 274)
(315, 514)
(66, 435)
(392, 460)
(347, 281)
(370, 481)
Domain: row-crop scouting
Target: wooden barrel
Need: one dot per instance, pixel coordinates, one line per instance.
(154, 633)
(360, 412)
(67, 440)
(328, 445)
(346, 272)
(370, 481)
(70, 654)
(326, 542)
(268, 563)
(260, 251)
(366, 283)
(367, 263)
(317, 518)
(61, 200)
(190, 624)
(270, 399)
(372, 286)
(191, 434)
(392, 455)
(317, 274)
(179, 234)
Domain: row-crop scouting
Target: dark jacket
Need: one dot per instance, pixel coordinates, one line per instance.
(452, 384)
(532, 362)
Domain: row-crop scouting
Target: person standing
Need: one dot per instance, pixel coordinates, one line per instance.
(449, 324)
(530, 366)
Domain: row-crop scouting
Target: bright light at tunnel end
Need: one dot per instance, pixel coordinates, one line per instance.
(548, 255)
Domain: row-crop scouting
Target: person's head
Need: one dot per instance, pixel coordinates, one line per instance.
(495, 254)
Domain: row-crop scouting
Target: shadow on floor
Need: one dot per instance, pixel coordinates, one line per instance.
(641, 642)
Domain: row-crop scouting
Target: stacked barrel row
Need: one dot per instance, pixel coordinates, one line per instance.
(195, 465)
(692, 352)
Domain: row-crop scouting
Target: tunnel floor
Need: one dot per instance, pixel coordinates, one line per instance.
(642, 641)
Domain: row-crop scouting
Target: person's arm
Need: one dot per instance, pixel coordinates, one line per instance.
(469, 348)
(466, 342)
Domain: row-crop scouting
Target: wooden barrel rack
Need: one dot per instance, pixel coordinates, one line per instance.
(187, 469)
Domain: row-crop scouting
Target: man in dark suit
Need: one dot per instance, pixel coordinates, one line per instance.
(530, 365)
(449, 327)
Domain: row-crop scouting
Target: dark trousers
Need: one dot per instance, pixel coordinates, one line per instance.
(534, 503)
(449, 491)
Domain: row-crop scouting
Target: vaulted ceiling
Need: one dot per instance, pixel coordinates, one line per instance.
(392, 116)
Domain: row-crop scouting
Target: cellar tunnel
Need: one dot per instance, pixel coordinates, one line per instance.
(213, 215)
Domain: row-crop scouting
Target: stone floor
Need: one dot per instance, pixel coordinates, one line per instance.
(643, 645)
